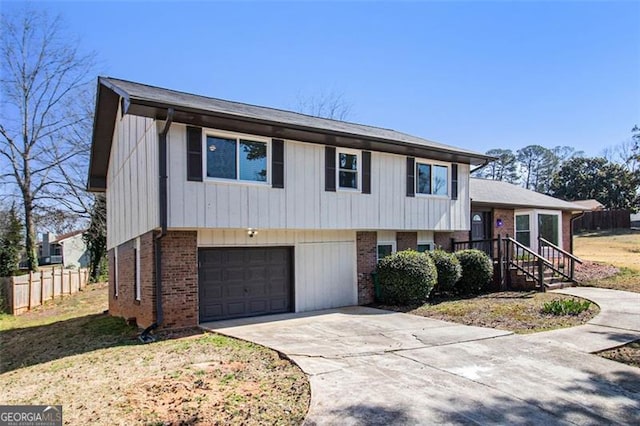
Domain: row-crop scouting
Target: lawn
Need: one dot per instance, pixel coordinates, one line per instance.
(71, 353)
(520, 312)
(605, 250)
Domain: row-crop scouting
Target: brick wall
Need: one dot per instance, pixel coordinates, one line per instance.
(566, 231)
(366, 246)
(125, 305)
(508, 223)
(406, 240)
(443, 239)
(180, 279)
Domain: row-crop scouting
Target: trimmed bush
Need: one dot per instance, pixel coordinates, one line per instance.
(449, 270)
(406, 277)
(477, 271)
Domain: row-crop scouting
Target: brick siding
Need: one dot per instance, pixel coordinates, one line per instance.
(125, 305)
(442, 240)
(367, 249)
(566, 231)
(179, 280)
(508, 223)
(406, 240)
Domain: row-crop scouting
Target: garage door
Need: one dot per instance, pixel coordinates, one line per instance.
(243, 282)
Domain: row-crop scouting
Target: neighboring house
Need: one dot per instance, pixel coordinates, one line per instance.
(218, 209)
(67, 249)
(501, 208)
(590, 205)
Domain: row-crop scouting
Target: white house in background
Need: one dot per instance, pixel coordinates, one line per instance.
(218, 209)
(68, 249)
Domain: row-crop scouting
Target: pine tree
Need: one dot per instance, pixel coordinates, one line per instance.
(11, 244)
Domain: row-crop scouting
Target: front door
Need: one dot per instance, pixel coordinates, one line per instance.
(480, 222)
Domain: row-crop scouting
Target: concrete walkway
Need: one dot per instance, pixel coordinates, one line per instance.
(368, 366)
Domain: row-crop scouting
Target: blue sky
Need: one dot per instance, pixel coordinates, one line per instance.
(478, 75)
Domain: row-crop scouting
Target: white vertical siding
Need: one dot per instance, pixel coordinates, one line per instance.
(132, 180)
(324, 262)
(303, 203)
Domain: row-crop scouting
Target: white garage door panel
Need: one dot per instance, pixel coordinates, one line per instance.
(325, 275)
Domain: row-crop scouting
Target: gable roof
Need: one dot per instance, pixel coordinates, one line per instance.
(61, 238)
(154, 102)
(495, 193)
(590, 204)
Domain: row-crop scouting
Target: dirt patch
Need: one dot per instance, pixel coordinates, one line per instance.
(97, 370)
(628, 354)
(591, 271)
(520, 312)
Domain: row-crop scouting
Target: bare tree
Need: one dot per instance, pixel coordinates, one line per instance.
(326, 105)
(44, 83)
(624, 153)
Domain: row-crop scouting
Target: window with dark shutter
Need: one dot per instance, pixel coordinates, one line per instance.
(194, 154)
(329, 168)
(366, 172)
(277, 163)
(411, 177)
(454, 181)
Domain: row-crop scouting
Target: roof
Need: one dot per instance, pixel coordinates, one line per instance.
(502, 194)
(590, 204)
(68, 235)
(154, 102)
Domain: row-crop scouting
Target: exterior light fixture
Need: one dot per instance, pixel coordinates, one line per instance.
(499, 223)
(252, 232)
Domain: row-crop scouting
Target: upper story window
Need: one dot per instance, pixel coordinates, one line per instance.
(348, 169)
(432, 179)
(236, 158)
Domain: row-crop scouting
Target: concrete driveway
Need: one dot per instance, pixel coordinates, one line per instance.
(368, 366)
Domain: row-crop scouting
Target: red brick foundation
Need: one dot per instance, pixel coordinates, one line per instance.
(125, 305)
(406, 241)
(179, 280)
(566, 231)
(366, 247)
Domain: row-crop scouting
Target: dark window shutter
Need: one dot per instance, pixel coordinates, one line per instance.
(277, 163)
(329, 168)
(411, 177)
(454, 181)
(366, 172)
(194, 154)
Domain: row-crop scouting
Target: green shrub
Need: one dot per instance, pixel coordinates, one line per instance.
(565, 307)
(477, 271)
(449, 270)
(406, 277)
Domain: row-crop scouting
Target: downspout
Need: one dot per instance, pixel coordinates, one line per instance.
(145, 337)
(573, 218)
(486, 163)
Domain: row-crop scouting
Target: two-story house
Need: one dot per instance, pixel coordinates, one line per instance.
(218, 209)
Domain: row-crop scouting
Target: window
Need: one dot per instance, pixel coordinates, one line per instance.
(385, 249)
(548, 227)
(424, 247)
(432, 179)
(236, 159)
(348, 169)
(523, 229)
(136, 270)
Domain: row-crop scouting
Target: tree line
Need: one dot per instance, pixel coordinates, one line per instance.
(564, 172)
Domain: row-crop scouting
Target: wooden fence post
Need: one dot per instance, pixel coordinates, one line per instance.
(41, 287)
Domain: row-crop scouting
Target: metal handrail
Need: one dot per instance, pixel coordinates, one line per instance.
(528, 250)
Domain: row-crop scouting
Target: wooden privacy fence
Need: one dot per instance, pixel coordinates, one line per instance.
(24, 292)
(603, 219)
